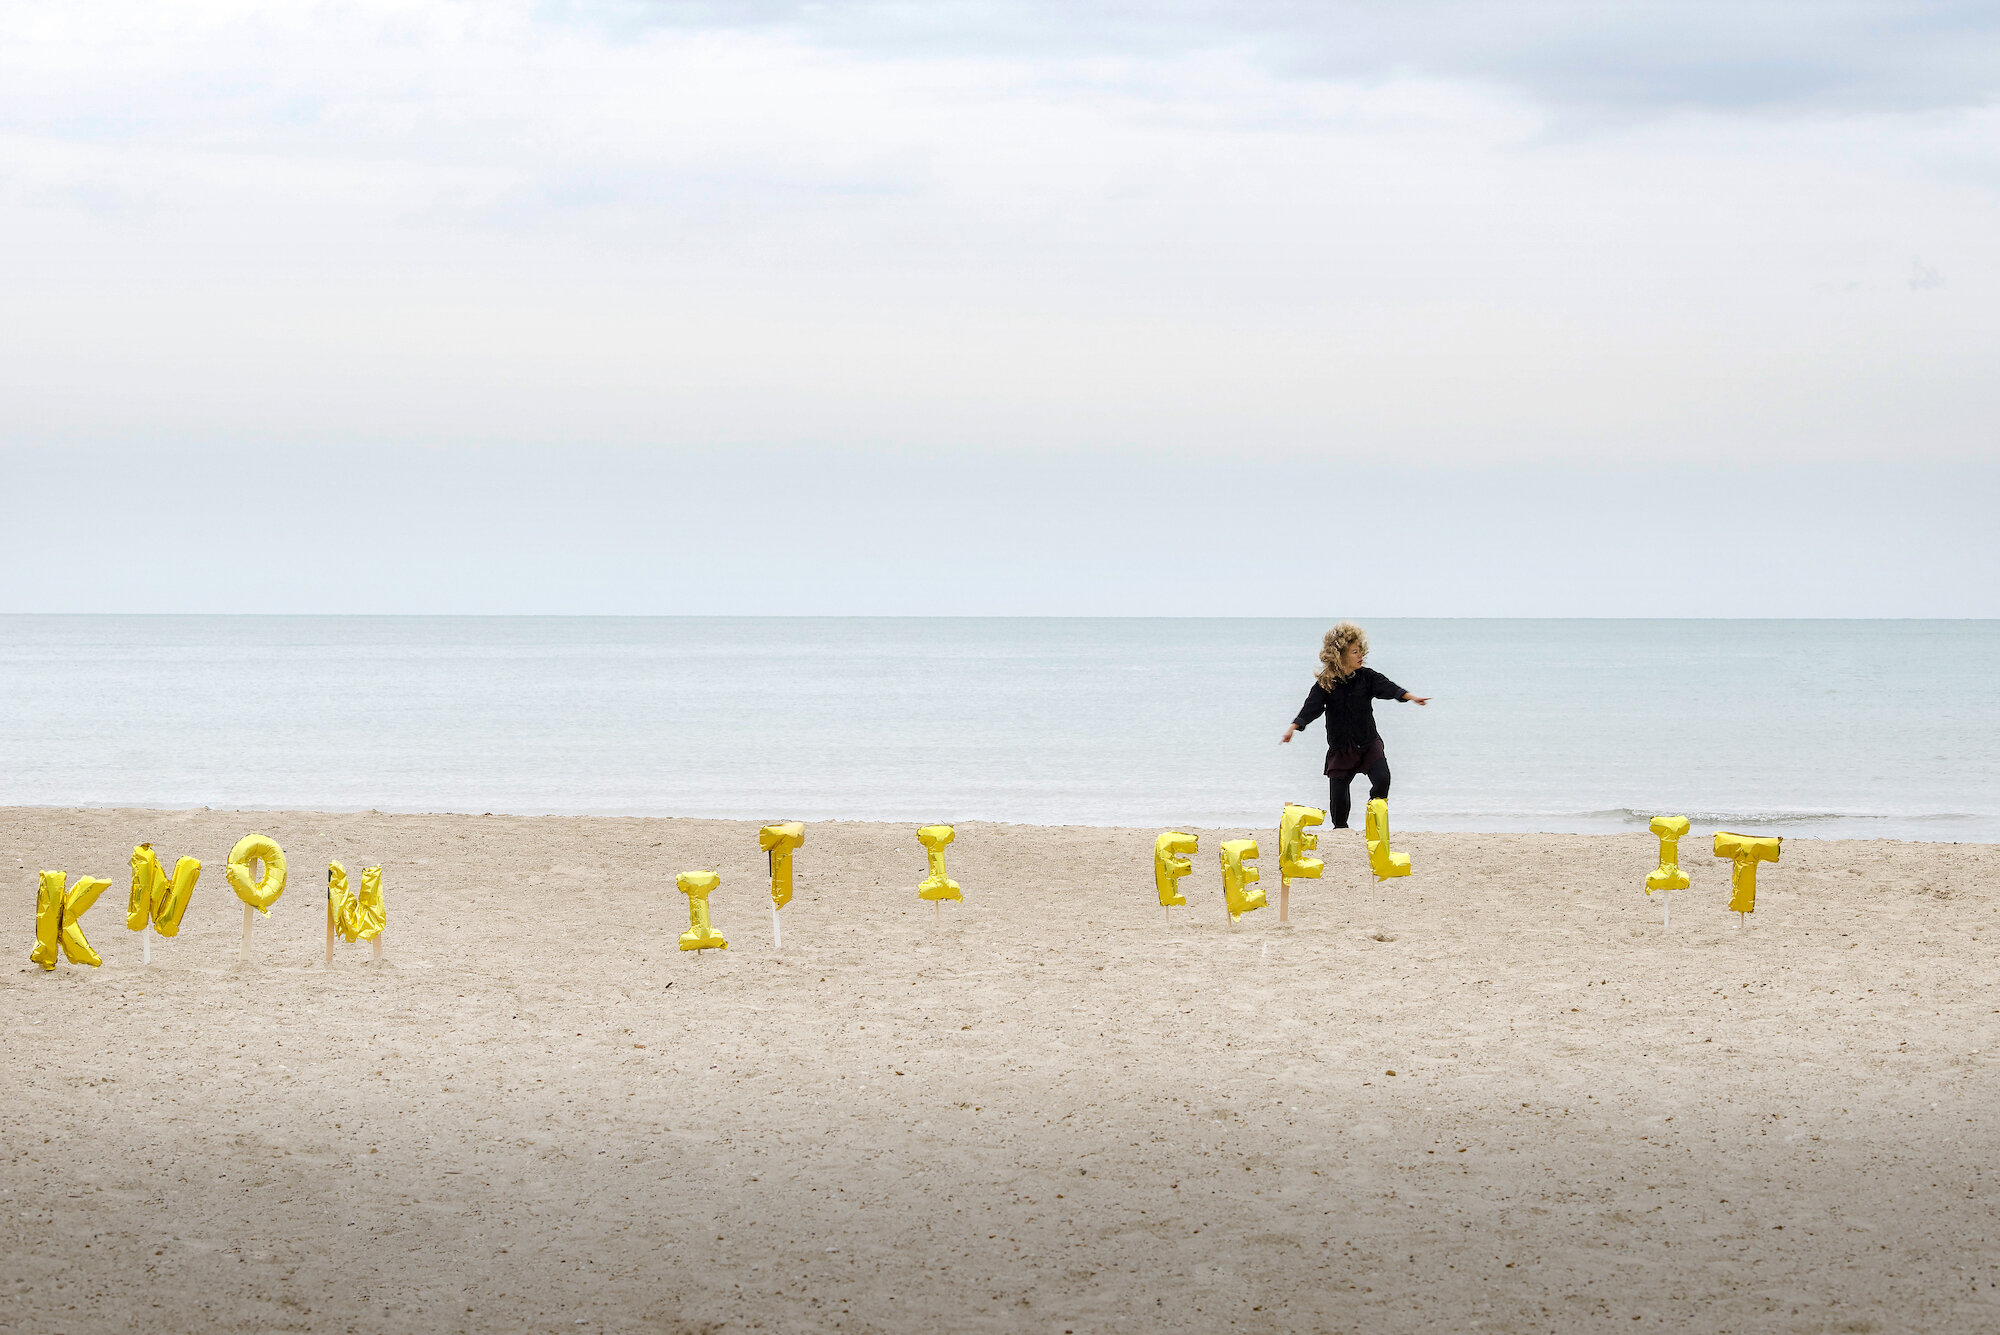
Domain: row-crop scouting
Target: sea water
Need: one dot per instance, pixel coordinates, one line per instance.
(1803, 728)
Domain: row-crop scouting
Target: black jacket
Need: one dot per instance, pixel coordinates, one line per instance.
(1349, 708)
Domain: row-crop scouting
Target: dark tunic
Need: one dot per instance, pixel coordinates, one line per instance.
(1350, 716)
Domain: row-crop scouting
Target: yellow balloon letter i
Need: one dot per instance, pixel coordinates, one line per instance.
(937, 886)
(1668, 877)
(699, 935)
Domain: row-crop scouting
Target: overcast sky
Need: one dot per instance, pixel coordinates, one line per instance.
(1497, 308)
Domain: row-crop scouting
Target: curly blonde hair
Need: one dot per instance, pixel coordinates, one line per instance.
(1332, 671)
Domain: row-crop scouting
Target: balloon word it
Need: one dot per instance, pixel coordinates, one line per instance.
(1668, 876)
(263, 892)
(58, 914)
(1744, 853)
(937, 886)
(355, 917)
(1382, 860)
(699, 935)
(1238, 878)
(156, 898)
(1294, 842)
(1168, 868)
(780, 841)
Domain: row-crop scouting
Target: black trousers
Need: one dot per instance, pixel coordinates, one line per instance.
(1338, 801)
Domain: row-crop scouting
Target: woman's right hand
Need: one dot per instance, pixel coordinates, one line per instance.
(1290, 728)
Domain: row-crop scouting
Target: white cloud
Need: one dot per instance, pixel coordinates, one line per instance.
(459, 223)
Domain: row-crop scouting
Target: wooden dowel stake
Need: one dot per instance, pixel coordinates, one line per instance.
(1285, 899)
(777, 933)
(377, 943)
(249, 919)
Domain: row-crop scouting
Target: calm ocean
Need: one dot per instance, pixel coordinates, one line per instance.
(1804, 728)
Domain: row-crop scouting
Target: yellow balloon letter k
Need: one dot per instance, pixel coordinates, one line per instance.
(57, 914)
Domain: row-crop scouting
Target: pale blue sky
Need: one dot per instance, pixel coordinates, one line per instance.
(1502, 308)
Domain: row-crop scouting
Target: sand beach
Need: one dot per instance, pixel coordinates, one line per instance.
(1496, 1095)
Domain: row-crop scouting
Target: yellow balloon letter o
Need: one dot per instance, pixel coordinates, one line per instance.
(259, 895)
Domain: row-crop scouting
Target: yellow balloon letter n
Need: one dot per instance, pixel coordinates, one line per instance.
(699, 935)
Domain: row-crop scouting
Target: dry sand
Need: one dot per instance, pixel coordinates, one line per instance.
(1494, 1096)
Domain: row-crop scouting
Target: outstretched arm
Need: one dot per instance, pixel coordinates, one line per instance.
(1415, 699)
(1314, 706)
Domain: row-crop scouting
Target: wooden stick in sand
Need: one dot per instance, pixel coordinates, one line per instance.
(1284, 899)
(249, 918)
(777, 934)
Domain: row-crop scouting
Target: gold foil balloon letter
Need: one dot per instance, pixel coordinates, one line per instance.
(355, 917)
(780, 841)
(937, 886)
(1168, 868)
(1238, 877)
(1294, 842)
(262, 893)
(155, 898)
(1383, 861)
(699, 935)
(1668, 876)
(57, 914)
(1744, 853)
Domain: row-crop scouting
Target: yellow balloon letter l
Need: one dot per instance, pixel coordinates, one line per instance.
(1668, 877)
(1294, 842)
(57, 912)
(1238, 878)
(1744, 853)
(1382, 860)
(699, 935)
(1169, 867)
(937, 886)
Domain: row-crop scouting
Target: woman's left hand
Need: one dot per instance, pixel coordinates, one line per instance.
(1416, 699)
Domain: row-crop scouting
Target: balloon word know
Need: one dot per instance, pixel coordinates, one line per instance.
(937, 886)
(780, 841)
(1238, 877)
(1169, 866)
(58, 919)
(699, 935)
(1744, 853)
(1382, 860)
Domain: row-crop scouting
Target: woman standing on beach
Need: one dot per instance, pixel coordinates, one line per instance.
(1345, 692)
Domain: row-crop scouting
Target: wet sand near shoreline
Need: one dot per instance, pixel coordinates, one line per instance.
(1495, 1095)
